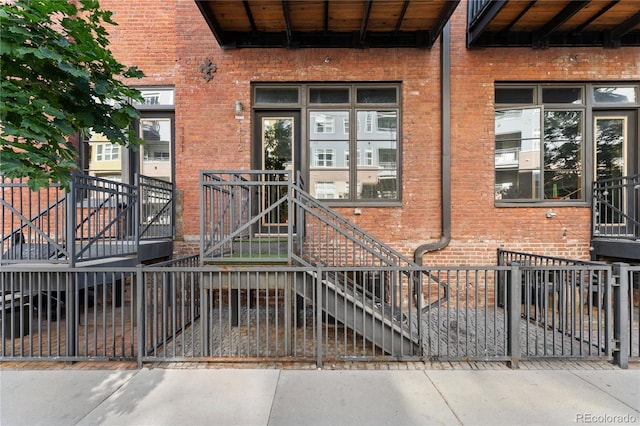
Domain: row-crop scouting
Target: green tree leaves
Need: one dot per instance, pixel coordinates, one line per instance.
(58, 78)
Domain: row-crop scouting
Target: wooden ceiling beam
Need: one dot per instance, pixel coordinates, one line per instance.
(596, 16)
(287, 21)
(365, 21)
(441, 21)
(613, 36)
(520, 15)
(326, 16)
(541, 36)
(402, 14)
(247, 9)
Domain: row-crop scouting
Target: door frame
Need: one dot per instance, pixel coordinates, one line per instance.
(256, 143)
(631, 154)
(257, 154)
(631, 150)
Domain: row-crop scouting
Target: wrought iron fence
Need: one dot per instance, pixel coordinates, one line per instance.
(585, 292)
(105, 220)
(181, 311)
(68, 313)
(627, 321)
(567, 311)
(245, 216)
(33, 223)
(509, 257)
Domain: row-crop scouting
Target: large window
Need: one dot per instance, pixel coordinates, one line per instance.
(99, 157)
(156, 128)
(372, 137)
(542, 150)
(350, 148)
(155, 153)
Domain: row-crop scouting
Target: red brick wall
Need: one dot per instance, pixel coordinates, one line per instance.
(169, 40)
(214, 139)
(478, 226)
(146, 37)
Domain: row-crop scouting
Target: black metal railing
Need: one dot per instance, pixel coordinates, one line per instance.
(33, 223)
(104, 220)
(616, 208)
(264, 216)
(96, 218)
(475, 8)
(156, 208)
(183, 311)
(509, 257)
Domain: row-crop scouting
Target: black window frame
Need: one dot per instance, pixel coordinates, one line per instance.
(306, 106)
(588, 107)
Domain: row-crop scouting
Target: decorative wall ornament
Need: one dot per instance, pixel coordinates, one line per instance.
(207, 69)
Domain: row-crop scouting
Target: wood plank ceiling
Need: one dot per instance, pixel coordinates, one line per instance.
(544, 23)
(326, 23)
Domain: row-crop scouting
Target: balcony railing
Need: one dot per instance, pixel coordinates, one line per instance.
(96, 218)
(507, 157)
(616, 208)
(474, 9)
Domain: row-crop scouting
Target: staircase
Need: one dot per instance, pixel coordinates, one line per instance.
(96, 222)
(265, 218)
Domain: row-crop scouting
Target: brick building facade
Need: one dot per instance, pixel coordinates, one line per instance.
(171, 42)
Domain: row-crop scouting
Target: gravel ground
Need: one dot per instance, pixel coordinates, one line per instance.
(449, 334)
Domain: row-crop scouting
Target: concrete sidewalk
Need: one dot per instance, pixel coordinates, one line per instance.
(200, 396)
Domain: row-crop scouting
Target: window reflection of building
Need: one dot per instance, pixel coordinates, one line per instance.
(351, 141)
(540, 142)
(375, 160)
(156, 97)
(517, 153)
(156, 151)
(104, 157)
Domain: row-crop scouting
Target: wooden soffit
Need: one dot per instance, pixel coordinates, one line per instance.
(545, 23)
(326, 23)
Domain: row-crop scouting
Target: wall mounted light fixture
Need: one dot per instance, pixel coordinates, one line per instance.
(239, 107)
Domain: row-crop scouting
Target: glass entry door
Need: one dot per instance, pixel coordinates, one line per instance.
(276, 149)
(613, 158)
(155, 153)
(611, 142)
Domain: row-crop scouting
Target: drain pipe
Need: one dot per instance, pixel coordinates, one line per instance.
(445, 190)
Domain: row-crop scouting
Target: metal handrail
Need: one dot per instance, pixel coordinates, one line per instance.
(31, 219)
(44, 236)
(323, 237)
(616, 205)
(96, 218)
(506, 257)
(155, 222)
(107, 211)
(231, 210)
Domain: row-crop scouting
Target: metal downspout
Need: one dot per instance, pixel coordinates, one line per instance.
(445, 83)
